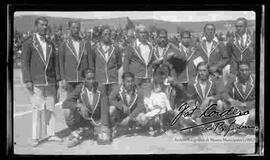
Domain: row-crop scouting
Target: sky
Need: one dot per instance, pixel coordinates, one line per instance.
(174, 16)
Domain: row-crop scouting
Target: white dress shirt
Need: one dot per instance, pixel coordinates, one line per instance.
(76, 45)
(105, 48)
(145, 50)
(43, 45)
(244, 37)
(90, 95)
(203, 88)
(160, 51)
(208, 47)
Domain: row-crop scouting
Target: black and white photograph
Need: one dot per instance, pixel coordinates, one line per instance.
(137, 82)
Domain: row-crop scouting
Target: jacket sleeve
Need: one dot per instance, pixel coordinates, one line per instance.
(26, 62)
(224, 56)
(56, 62)
(89, 56)
(126, 59)
(71, 101)
(114, 99)
(140, 106)
(118, 58)
(61, 55)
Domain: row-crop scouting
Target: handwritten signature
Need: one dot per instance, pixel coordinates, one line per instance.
(186, 111)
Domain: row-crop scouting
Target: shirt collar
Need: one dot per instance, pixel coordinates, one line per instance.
(214, 39)
(39, 38)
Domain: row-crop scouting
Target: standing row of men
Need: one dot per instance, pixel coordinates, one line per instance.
(89, 73)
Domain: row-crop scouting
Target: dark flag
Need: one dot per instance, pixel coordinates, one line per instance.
(129, 25)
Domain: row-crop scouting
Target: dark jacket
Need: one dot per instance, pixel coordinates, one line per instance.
(214, 88)
(134, 62)
(117, 98)
(190, 70)
(71, 66)
(106, 70)
(239, 54)
(234, 90)
(218, 54)
(35, 68)
(80, 95)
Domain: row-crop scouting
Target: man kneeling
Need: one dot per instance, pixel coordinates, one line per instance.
(82, 108)
(126, 102)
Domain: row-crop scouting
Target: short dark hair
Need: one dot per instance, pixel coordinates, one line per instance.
(162, 30)
(209, 24)
(242, 19)
(86, 71)
(185, 32)
(73, 21)
(104, 27)
(243, 63)
(203, 63)
(127, 74)
(40, 19)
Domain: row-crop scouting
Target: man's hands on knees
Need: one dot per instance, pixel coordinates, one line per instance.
(125, 121)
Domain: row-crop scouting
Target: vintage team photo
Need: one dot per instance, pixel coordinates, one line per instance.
(134, 82)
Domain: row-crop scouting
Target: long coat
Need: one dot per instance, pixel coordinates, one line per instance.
(134, 62)
(37, 69)
(106, 69)
(71, 65)
(238, 54)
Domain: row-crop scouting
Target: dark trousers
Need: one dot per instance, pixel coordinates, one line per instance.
(75, 120)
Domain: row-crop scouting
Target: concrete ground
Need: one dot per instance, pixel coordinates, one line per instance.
(168, 143)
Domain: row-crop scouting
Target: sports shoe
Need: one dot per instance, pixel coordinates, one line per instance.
(74, 142)
(35, 142)
(55, 138)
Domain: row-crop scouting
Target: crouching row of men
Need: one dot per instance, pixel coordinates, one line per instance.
(151, 108)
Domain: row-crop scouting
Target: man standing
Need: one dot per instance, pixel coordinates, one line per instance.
(74, 57)
(242, 46)
(139, 57)
(107, 61)
(188, 52)
(40, 70)
(212, 51)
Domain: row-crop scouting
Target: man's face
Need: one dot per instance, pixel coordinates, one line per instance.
(244, 71)
(203, 72)
(162, 39)
(129, 83)
(106, 36)
(185, 39)
(75, 29)
(41, 27)
(209, 32)
(143, 35)
(89, 80)
(240, 27)
(159, 78)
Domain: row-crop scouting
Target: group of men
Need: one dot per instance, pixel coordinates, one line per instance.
(156, 80)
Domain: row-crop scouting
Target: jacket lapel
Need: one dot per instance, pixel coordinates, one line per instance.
(81, 50)
(48, 53)
(150, 54)
(198, 88)
(203, 46)
(85, 98)
(37, 46)
(138, 52)
(239, 88)
(71, 47)
(208, 87)
(213, 47)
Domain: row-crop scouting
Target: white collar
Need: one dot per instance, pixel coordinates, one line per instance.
(214, 39)
(140, 43)
(39, 39)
